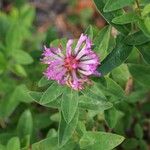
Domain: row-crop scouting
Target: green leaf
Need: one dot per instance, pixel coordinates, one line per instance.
(36, 96)
(22, 57)
(102, 42)
(143, 145)
(137, 38)
(111, 89)
(46, 144)
(137, 95)
(50, 143)
(25, 141)
(126, 18)
(22, 94)
(8, 106)
(27, 15)
(121, 74)
(134, 56)
(146, 10)
(89, 32)
(66, 130)
(144, 28)
(13, 144)
(94, 92)
(140, 73)
(59, 43)
(115, 58)
(55, 117)
(112, 5)
(2, 147)
(100, 141)
(130, 144)
(46, 120)
(14, 15)
(52, 93)
(69, 104)
(25, 124)
(51, 35)
(138, 131)
(44, 81)
(147, 23)
(112, 116)
(51, 133)
(114, 89)
(4, 25)
(109, 16)
(19, 70)
(6, 136)
(145, 51)
(14, 37)
(93, 104)
(112, 41)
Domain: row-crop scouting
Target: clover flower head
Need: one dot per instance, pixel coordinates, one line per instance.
(72, 66)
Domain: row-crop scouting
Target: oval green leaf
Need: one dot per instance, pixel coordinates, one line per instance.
(69, 105)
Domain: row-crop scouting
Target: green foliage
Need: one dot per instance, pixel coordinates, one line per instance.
(146, 10)
(66, 129)
(116, 116)
(25, 124)
(137, 38)
(142, 76)
(43, 82)
(114, 89)
(138, 131)
(102, 42)
(13, 144)
(130, 144)
(51, 94)
(109, 16)
(22, 57)
(126, 18)
(100, 140)
(113, 110)
(121, 74)
(7, 107)
(112, 5)
(69, 105)
(144, 50)
(118, 55)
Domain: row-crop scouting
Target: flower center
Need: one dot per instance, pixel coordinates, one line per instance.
(71, 63)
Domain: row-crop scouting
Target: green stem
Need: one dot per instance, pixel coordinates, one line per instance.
(138, 6)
